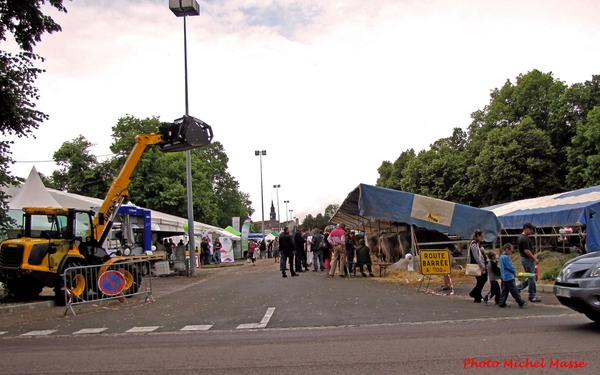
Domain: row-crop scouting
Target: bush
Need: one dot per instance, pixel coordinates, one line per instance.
(542, 255)
(551, 274)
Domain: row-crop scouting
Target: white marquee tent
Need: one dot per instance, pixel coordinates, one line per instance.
(34, 193)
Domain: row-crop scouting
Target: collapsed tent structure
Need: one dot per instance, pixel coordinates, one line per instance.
(575, 209)
(371, 208)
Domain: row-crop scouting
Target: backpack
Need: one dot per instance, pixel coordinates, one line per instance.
(324, 244)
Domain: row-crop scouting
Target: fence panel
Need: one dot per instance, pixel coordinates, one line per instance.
(106, 282)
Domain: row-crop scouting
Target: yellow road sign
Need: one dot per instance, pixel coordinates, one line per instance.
(435, 262)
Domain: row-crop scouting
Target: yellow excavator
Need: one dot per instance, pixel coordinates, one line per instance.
(52, 239)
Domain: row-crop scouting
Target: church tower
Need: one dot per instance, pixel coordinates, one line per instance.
(273, 214)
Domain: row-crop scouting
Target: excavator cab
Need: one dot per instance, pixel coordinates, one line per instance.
(184, 134)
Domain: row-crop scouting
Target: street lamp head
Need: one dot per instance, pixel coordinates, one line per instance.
(264, 152)
(256, 153)
(182, 8)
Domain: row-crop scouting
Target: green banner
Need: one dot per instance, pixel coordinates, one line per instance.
(245, 231)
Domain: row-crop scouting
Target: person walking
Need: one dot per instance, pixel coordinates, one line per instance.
(326, 249)
(528, 260)
(252, 247)
(337, 239)
(318, 240)
(309, 244)
(286, 247)
(204, 248)
(477, 256)
(269, 249)
(217, 251)
(494, 274)
(350, 246)
(276, 253)
(508, 273)
(263, 249)
(299, 250)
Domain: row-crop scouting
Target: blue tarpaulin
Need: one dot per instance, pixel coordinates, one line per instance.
(369, 205)
(557, 210)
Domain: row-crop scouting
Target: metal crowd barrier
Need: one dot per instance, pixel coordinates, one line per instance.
(100, 283)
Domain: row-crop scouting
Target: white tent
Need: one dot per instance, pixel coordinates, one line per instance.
(33, 193)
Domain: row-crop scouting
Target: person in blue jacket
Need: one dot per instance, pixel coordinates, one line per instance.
(508, 272)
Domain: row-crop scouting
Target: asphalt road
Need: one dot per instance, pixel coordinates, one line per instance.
(250, 320)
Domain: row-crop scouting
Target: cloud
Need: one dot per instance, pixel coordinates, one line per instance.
(325, 87)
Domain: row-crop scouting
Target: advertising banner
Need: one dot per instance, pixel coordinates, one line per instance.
(245, 231)
(226, 250)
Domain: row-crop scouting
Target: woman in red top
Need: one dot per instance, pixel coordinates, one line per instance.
(251, 247)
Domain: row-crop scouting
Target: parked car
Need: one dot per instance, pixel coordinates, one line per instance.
(578, 285)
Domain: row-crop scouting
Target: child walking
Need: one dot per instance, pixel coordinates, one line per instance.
(495, 275)
(508, 273)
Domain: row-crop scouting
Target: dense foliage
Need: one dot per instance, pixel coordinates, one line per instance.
(535, 137)
(24, 20)
(320, 221)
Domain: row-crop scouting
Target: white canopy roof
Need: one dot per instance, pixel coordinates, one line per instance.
(34, 193)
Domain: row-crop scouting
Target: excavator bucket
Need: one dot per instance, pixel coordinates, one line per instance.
(184, 134)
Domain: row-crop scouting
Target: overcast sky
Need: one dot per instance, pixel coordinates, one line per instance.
(332, 87)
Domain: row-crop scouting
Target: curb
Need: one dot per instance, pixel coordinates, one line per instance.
(25, 306)
(545, 288)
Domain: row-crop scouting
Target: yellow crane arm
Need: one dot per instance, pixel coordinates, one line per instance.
(118, 188)
(183, 134)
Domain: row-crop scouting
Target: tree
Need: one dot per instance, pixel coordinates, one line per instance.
(25, 20)
(159, 179)
(320, 221)
(399, 166)
(515, 163)
(330, 210)
(256, 228)
(18, 116)
(80, 173)
(534, 137)
(439, 172)
(230, 201)
(584, 152)
(536, 95)
(385, 172)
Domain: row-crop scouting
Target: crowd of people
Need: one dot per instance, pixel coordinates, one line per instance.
(332, 250)
(210, 252)
(336, 250)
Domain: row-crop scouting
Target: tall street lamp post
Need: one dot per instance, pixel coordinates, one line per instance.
(262, 205)
(286, 210)
(184, 8)
(278, 215)
(291, 215)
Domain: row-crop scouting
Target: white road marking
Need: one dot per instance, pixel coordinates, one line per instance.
(39, 333)
(263, 323)
(205, 327)
(267, 316)
(3, 332)
(89, 330)
(142, 329)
